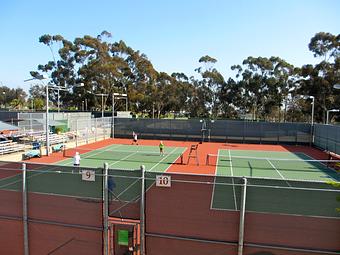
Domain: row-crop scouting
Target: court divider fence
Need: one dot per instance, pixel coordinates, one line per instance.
(50, 209)
(327, 137)
(87, 130)
(215, 130)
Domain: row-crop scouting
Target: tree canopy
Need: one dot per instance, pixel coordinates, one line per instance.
(267, 88)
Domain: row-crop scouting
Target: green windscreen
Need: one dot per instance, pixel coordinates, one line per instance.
(123, 237)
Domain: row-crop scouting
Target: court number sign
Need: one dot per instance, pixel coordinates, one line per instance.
(88, 175)
(163, 181)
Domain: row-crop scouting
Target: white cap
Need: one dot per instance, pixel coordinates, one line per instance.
(77, 153)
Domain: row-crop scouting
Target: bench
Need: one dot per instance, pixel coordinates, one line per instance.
(58, 147)
(31, 154)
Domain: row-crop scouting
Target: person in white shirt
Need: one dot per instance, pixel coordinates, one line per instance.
(135, 138)
(76, 159)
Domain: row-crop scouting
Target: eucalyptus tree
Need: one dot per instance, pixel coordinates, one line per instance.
(254, 73)
(318, 80)
(265, 84)
(10, 97)
(184, 91)
(200, 97)
(230, 98)
(212, 80)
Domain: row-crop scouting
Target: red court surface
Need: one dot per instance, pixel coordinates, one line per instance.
(203, 149)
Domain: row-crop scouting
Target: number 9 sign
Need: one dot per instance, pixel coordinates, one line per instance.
(88, 175)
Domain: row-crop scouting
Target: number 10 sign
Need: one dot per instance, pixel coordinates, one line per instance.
(163, 181)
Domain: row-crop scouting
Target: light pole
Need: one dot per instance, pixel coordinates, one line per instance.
(4, 93)
(47, 130)
(58, 88)
(328, 111)
(313, 101)
(313, 105)
(41, 78)
(102, 95)
(119, 96)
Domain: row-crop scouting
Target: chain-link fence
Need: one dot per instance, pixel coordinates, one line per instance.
(205, 213)
(51, 209)
(217, 131)
(77, 131)
(48, 209)
(327, 137)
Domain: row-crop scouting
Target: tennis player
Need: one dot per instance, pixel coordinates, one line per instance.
(135, 138)
(161, 148)
(76, 159)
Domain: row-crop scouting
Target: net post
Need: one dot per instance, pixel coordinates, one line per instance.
(242, 216)
(64, 150)
(106, 210)
(24, 208)
(142, 212)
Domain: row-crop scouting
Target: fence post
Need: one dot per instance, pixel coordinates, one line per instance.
(76, 132)
(95, 130)
(88, 127)
(103, 127)
(242, 215)
(24, 209)
(106, 209)
(142, 213)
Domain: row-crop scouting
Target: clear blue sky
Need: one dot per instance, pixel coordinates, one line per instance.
(174, 34)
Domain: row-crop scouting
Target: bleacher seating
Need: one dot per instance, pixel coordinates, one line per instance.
(10, 147)
(53, 139)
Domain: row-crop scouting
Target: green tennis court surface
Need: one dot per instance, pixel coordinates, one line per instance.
(65, 179)
(120, 156)
(279, 182)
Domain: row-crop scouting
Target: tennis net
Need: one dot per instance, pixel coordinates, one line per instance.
(268, 163)
(127, 155)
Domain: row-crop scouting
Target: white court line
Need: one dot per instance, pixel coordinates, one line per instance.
(147, 189)
(278, 172)
(56, 167)
(232, 179)
(11, 176)
(133, 153)
(182, 152)
(127, 188)
(324, 165)
(163, 158)
(213, 193)
(89, 154)
(32, 175)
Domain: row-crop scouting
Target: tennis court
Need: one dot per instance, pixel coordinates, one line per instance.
(122, 156)
(63, 178)
(277, 182)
